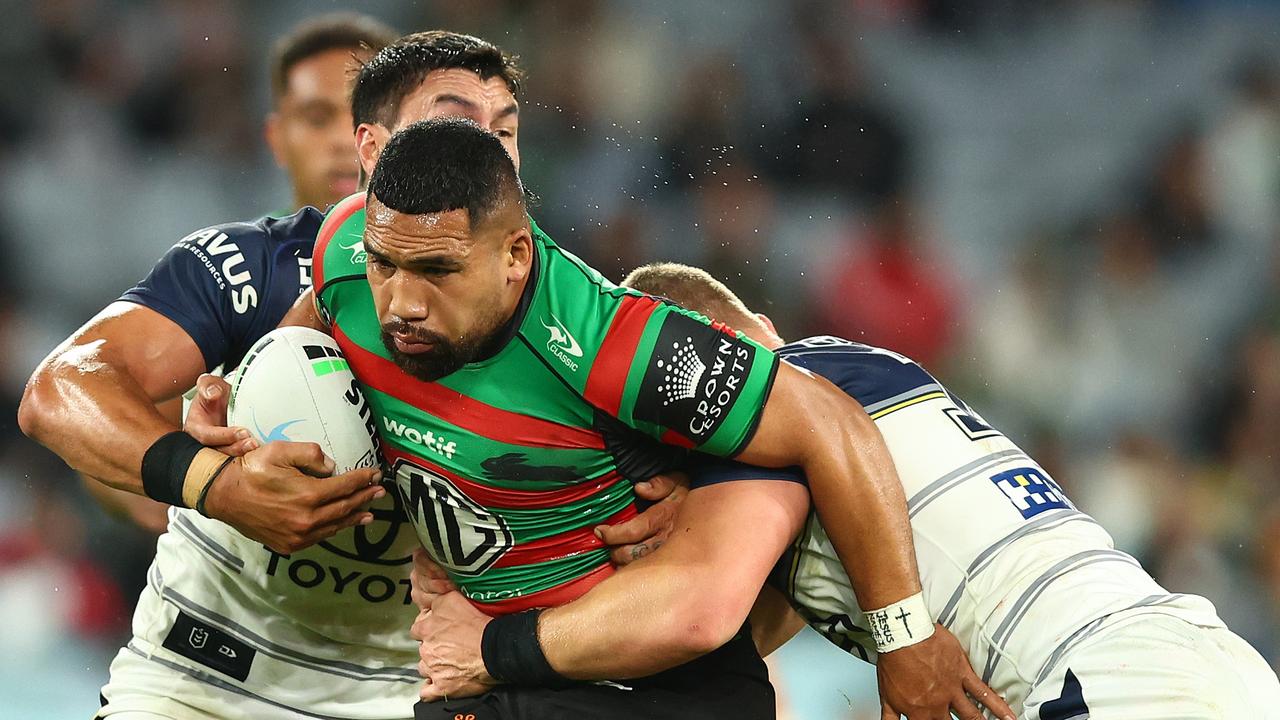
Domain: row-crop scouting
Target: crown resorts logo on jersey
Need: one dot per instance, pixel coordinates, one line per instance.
(694, 376)
(683, 370)
(1030, 491)
(562, 344)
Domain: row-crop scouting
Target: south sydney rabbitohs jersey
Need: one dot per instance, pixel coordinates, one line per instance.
(323, 630)
(1008, 564)
(507, 464)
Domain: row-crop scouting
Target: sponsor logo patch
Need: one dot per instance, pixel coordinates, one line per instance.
(695, 375)
(213, 648)
(562, 344)
(1029, 490)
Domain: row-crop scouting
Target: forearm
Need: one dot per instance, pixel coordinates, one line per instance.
(856, 491)
(863, 509)
(636, 623)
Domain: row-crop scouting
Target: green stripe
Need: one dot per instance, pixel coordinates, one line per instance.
(508, 582)
(324, 367)
(536, 523)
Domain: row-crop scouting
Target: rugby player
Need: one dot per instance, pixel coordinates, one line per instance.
(309, 133)
(1061, 623)
(245, 615)
(519, 392)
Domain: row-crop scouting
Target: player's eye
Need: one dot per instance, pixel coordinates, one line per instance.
(505, 133)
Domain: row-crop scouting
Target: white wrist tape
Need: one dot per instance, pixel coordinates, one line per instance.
(900, 625)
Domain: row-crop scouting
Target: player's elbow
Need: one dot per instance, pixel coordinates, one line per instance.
(705, 621)
(706, 631)
(35, 409)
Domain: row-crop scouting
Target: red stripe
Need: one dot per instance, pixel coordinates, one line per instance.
(336, 218)
(608, 376)
(457, 409)
(551, 597)
(562, 545)
(496, 497)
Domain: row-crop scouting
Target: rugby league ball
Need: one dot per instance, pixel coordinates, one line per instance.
(294, 385)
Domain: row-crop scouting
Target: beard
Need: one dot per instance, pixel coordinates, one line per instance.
(445, 357)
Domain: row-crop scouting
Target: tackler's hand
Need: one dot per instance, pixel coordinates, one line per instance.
(646, 532)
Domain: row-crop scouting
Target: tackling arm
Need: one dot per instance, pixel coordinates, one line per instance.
(686, 600)
(809, 422)
(93, 399)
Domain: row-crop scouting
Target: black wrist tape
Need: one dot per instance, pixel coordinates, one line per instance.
(512, 654)
(165, 465)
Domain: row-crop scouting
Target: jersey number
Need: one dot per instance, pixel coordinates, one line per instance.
(460, 534)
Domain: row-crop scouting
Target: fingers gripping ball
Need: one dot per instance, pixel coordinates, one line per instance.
(295, 385)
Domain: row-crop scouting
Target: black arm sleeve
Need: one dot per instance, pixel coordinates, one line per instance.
(707, 470)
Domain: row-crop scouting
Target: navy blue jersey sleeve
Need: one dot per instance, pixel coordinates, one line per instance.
(704, 470)
(210, 284)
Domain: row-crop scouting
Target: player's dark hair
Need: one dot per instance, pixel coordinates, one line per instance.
(333, 31)
(398, 69)
(445, 164)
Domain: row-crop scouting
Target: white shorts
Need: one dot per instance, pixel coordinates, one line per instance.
(144, 688)
(1158, 667)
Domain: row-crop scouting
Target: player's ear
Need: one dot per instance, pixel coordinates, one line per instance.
(764, 320)
(518, 253)
(271, 133)
(370, 139)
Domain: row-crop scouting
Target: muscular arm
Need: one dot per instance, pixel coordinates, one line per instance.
(687, 599)
(93, 399)
(809, 422)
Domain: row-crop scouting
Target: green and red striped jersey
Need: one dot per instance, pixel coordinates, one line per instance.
(508, 463)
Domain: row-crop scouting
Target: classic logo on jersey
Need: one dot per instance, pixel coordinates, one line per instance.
(1029, 490)
(358, 255)
(224, 261)
(562, 344)
(461, 535)
(694, 376)
(324, 360)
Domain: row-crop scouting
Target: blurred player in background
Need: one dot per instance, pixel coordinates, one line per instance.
(1060, 623)
(309, 127)
(309, 132)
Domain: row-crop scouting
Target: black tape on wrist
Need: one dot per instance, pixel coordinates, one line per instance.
(512, 654)
(165, 465)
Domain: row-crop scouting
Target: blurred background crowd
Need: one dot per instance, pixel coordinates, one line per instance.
(1068, 210)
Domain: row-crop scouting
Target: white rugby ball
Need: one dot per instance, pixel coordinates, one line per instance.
(294, 385)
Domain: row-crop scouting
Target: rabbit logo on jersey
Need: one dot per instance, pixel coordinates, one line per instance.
(694, 376)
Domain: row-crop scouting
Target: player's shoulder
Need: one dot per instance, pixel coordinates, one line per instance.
(261, 235)
(339, 249)
(871, 375)
(570, 310)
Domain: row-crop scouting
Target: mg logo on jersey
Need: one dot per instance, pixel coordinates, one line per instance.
(561, 344)
(462, 535)
(1029, 490)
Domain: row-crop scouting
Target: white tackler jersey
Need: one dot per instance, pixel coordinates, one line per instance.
(323, 632)
(1008, 564)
